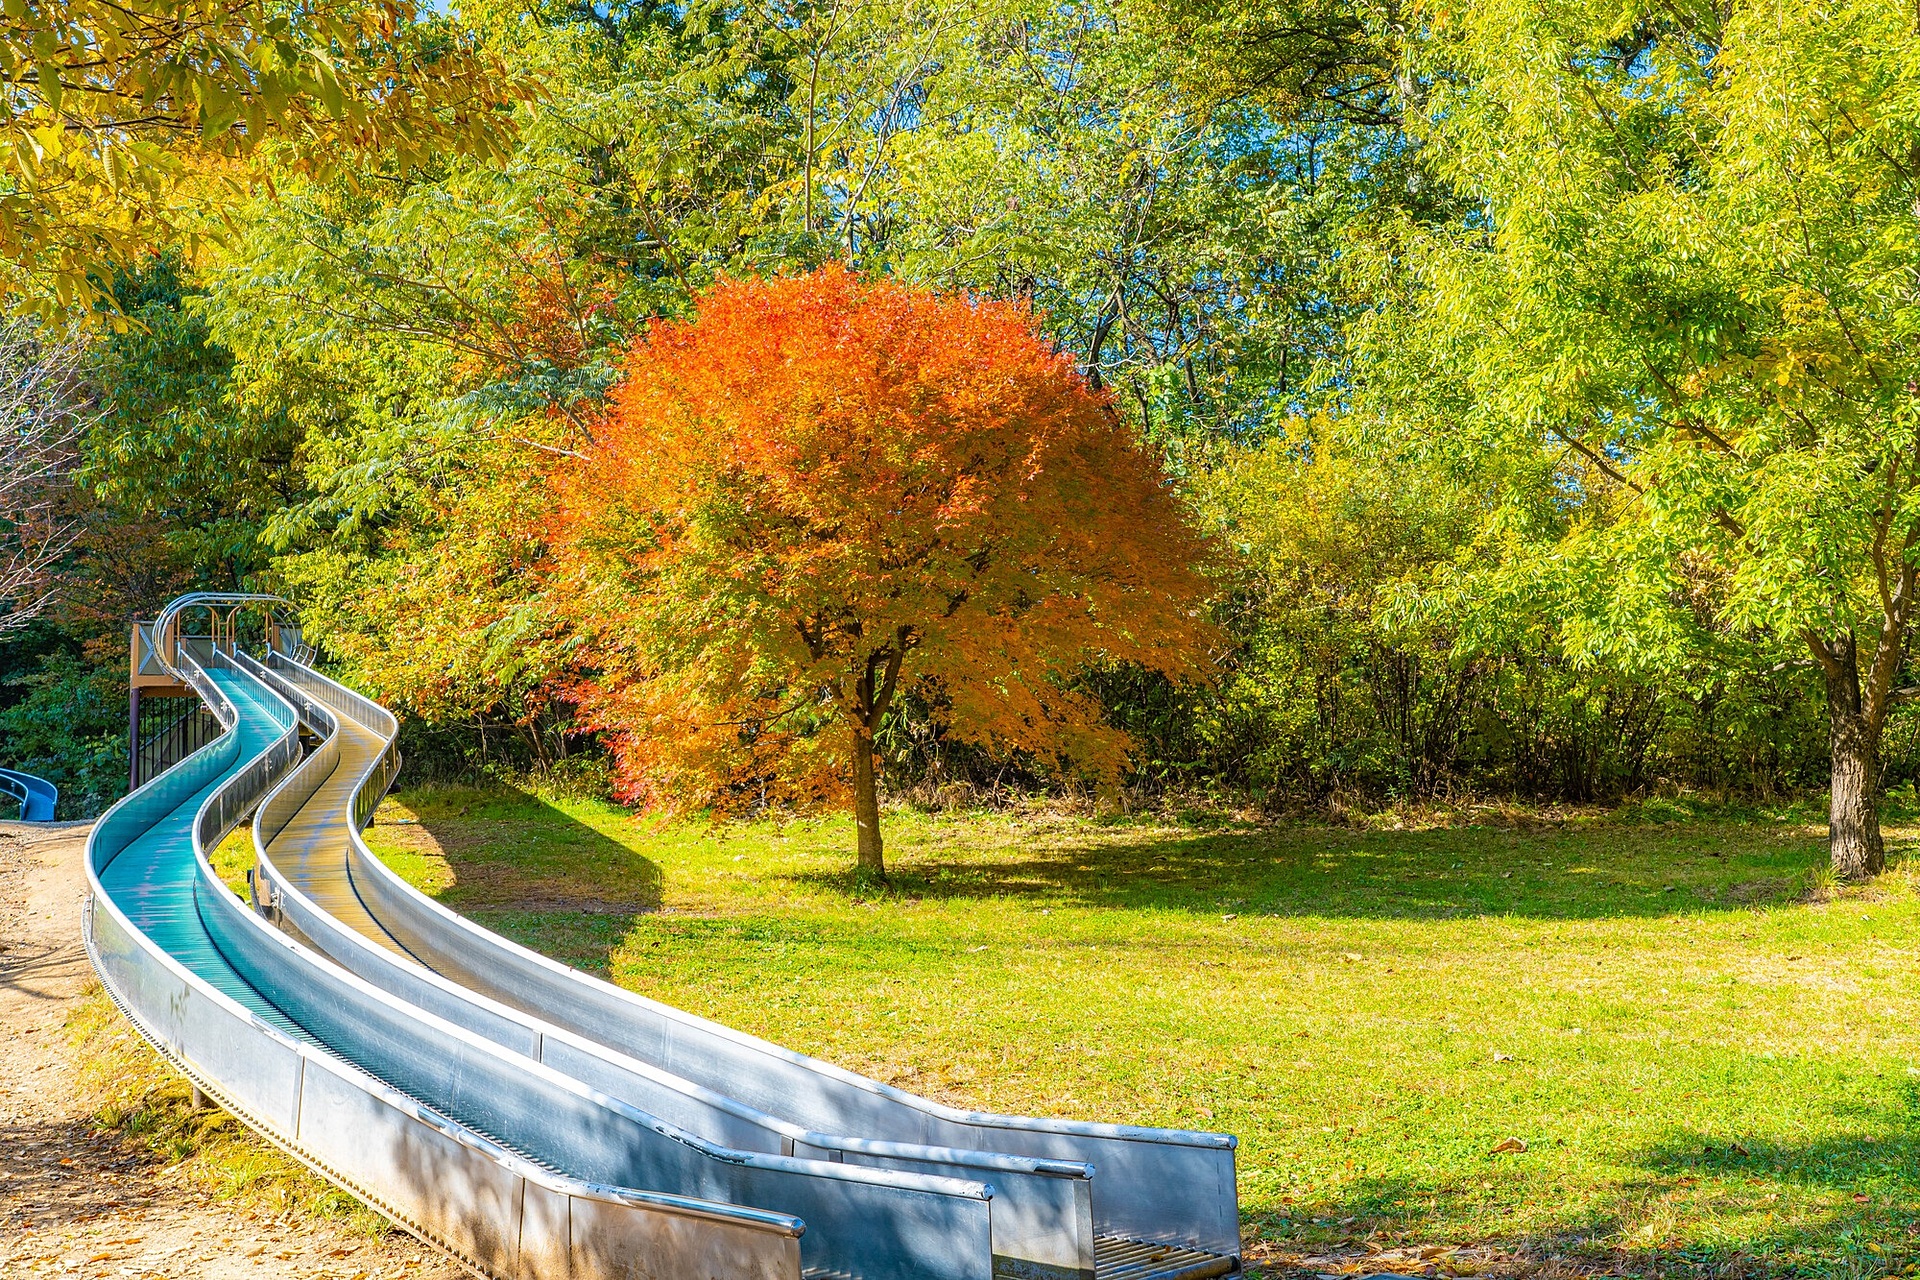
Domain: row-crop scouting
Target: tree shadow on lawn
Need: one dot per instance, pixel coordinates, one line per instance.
(1867, 1222)
(521, 867)
(1598, 871)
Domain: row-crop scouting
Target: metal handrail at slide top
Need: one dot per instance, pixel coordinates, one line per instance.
(505, 1102)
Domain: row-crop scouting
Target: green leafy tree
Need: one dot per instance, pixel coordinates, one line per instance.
(163, 487)
(169, 446)
(1681, 314)
(432, 337)
(1352, 692)
(1177, 234)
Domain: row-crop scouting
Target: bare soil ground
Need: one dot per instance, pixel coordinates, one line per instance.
(80, 1201)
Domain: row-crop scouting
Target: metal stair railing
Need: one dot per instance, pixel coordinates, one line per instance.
(177, 733)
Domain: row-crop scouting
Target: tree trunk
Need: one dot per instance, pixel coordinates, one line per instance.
(866, 807)
(1853, 822)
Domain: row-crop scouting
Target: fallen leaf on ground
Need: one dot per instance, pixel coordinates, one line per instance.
(1508, 1145)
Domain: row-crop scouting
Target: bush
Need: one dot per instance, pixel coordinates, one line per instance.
(69, 726)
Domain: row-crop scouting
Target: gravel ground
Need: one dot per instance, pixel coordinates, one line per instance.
(78, 1203)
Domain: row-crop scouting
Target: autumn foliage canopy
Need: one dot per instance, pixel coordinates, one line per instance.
(820, 492)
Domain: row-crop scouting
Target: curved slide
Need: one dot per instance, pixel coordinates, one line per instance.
(535, 1120)
(37, 796)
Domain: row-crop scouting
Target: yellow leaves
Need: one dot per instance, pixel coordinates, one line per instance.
(108, 103)
(26, 158)
(1803, 307)
(47, 77)
(112, 168)
(327, 87)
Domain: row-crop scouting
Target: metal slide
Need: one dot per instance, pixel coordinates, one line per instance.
(539, 1065)
(37, 796)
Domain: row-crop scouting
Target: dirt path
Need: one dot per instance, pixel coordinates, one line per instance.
(76, 1203)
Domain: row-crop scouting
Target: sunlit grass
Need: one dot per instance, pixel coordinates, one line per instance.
(233, 858)
(1703, 1057)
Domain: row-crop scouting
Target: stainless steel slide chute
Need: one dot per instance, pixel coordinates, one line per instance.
(1041, 1216)
(531, 1119)
(1168, 1195)
(177, 951)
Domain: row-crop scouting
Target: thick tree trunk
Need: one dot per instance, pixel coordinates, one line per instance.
(875, 681)
(1853, 822)
(866, 807)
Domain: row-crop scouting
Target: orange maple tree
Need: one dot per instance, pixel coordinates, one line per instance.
(820, 491)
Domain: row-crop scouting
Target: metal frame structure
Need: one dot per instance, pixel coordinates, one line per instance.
(166, 730)
(155, 651)
(556, 1087)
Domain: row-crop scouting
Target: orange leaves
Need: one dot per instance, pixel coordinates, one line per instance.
(546, 312)
(821, 490)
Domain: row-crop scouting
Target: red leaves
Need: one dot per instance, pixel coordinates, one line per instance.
(816, 475)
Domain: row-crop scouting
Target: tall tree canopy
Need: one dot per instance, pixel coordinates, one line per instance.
(820, 492)
(424, 332)
(1439, 391)
(1683, 319)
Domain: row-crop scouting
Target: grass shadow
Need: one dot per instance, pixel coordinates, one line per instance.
(1850, 1207)
(1392, 1225)
(1628, 870)
(520, 866)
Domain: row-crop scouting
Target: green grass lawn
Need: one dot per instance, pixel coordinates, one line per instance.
(1713, 1060)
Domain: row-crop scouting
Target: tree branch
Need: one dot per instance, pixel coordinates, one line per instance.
(1612, 472)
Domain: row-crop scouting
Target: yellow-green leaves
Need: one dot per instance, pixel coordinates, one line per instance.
(115, 102)
(1690, 292)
